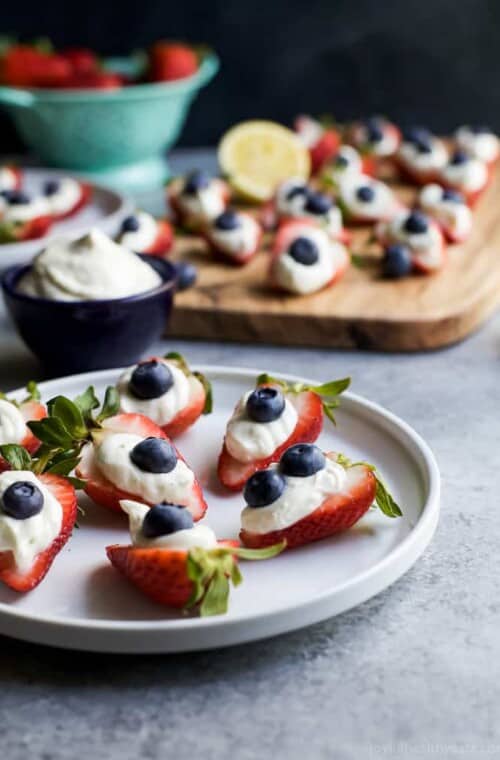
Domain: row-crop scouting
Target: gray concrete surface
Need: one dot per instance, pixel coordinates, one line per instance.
(413, 673)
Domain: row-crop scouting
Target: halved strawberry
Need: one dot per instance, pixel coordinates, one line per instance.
(86, 193)
(336, 513)
(103, 491)
(30, 410)
(65, 494)
(425, 261)
(183, 216)
(322, 142)
(226, 252)
(309, 406)
(163, 241)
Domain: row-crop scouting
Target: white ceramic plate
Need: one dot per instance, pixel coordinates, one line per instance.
(84, 604)
(105, 210)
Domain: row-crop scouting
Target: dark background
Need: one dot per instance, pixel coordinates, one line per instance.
(435, 62)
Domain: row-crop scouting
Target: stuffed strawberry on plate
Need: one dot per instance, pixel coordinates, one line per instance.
(66, 196)
(10, 177)
(421, 155)
(364, 200)
(321, 141)
(196, 199)
(23, 217)
(142, 233)
(14, 417)
(420, 234)
(466, 174)
(308, 496)
(449, 209)
(37, 516)
(375, 136)
(269, 419)
(305, 259)
(177, 563)
(234, 236)
(167, 391)
(478, 142)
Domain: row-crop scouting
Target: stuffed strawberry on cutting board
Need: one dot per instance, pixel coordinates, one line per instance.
(375, 136)
(165, 390)
(421, 155)
(142, 233)
(307, 496)
(420, 234)
(177, 563)
(269, 419)
(365, 200)
(37, 516)
(449, 209)
(321, 141)
(196, 199)
(478, 142)
(466, 174)
(234, 236)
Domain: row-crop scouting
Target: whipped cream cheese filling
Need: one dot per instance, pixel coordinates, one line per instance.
(303, 279)
(8, 179)
(455, 216)
(419, 242)
(301, 497)
(12, 424)
(291, 197)
(436, 158)
(310, 132)
(347, 162)
(247, 440)
(199, 536)
(470, 175)
(112, 458)
(205, 204)
(25, 212)
(384, 147)
(382, 205)
(163, 409)
(141, 239)
(27, 538)
(66, 197)
(484, 146)
(239, 241)
(92, 267)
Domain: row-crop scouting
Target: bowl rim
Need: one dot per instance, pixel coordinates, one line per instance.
(209, 66)
(9, 280)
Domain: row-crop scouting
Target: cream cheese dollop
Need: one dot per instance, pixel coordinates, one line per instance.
(199, 536)
(92, 267)
(27, 538)
(247, 440)
(25, 212)
(452, 215)
(12, 424)
(239, 241)
(66, 197)
(483, 145)
(436, 158)
(470, 175)
(164, 408)
(143, 238)
(205, 204)
(383, 204)
(303, 279)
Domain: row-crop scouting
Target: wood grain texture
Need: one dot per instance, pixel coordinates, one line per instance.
(362, 310)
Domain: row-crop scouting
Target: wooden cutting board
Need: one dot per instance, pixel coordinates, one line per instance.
(362, 310)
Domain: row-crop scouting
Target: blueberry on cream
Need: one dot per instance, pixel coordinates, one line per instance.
(464, 172)
(157, 388)
(449, 209)
(289, 491)
(479, 142)
(12, 424)
(138, 231)
(419, 233)
(347, 162)
(377, 136)
(235, 234)
(198, 198)
(309, 263)
(290, 197)
(62, 195)
(30, 517)
(367, 199)
(421, 152)
(18, 206)
(261, 422)
(166, 526)
(296, 200)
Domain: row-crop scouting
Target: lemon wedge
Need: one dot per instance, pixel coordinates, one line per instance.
(255, 156)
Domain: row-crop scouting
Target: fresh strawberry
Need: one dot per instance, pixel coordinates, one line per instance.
(164, 239)
(31, 409)
(65, 494)
(20, 66)
(94, 80)
(322, 142)
(103, 491)
(170, 61)
(54, 71)
(310, 402)
(214, 236)
(82, 60)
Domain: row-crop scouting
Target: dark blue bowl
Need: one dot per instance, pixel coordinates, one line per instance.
(77, 336)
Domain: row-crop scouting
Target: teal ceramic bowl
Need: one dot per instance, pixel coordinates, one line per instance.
(117, 137)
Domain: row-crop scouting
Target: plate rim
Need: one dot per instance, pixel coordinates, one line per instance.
(394, 564)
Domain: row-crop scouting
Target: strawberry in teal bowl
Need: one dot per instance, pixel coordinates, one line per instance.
(98, 123)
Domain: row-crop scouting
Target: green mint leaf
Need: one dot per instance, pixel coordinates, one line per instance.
(52, 432)
(86, 403)
(16, 456)
(207, 386)
(111, 404)
(69, 414)
(385, 502)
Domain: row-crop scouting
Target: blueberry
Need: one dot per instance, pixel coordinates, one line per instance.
(365, 193)
(374, 130)
(459, 157)
(341, 161)
(397, 261)
(416, 223)
(296, 190)
(423, 145)
(304, 251)
(263, 488)
(186, 274)
(228, 220)
(150, 379)
(22, 500)
(452, 195)
(265, 404)
(51, 187)
(163, 519)
(318, 203)
(130, 224)
(154, 455)
(16, 197)
(301, 460)
(197, 180)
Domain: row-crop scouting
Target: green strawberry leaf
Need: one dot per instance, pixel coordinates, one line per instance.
(16, 456)
(383, 498)
(52, 432)
(328, 392)
(110, 406)
(33, 392)
(63, 466)
(70, 416)
(207, 386)
(86, 403)
(77, 483)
